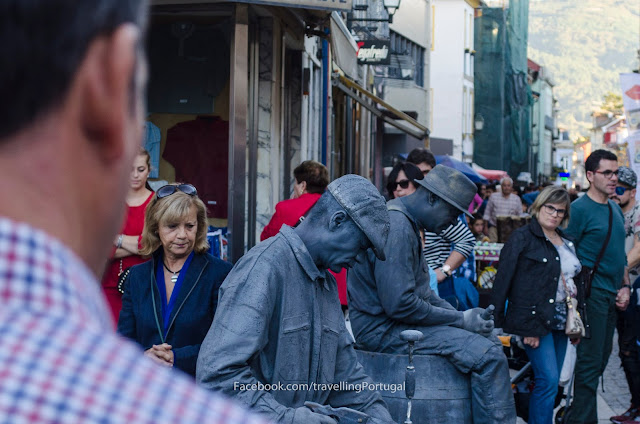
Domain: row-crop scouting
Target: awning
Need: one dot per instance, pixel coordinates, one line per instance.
(490, 174)
(390, 115)
(343, 46)
(342, 5)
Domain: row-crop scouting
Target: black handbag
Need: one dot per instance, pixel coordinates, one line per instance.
(585, 277)
(122, 277)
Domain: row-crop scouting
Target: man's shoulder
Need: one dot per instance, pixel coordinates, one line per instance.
(298, 205)
(635, 217)
(91, 376)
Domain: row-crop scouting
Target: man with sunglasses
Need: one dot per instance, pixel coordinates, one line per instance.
(388, 297)
(589, 226)
(625, 196)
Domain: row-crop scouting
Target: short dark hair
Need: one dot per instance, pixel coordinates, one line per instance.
(476, 217)
(593, 161)
(412, 172)
(420, 154)
(43, 42)
(314, 174)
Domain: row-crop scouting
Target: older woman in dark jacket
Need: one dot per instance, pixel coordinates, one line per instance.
(169, 302)
(536, 271)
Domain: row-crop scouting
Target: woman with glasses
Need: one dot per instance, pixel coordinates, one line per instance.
(536, 271)
(169, 302)
(127, 243)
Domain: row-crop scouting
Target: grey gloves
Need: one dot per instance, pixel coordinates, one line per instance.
(304, 415)
(478, 320)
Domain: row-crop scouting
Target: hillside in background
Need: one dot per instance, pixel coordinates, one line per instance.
(585, 44)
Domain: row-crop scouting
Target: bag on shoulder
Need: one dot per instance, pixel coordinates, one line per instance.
(583, 281)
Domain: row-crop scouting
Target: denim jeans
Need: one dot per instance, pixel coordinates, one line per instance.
(546, 361)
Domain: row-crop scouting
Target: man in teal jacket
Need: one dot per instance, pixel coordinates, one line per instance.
(588, 225)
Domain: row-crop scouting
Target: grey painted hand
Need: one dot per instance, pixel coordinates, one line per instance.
(304, 415)
(475, 321)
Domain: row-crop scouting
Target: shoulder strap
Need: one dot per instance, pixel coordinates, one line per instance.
(606, 241)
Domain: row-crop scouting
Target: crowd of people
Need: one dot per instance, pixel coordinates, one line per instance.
(194, 331)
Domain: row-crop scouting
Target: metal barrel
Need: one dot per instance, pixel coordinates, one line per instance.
(442, 393)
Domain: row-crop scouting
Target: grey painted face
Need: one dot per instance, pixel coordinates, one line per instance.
(431, 212)
(450, 185)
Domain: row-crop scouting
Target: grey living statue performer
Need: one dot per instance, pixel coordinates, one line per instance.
(278, 338)
(386, 298)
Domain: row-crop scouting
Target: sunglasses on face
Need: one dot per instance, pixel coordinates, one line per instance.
(608, 173)
(169, 189)
(553, 211)
(401, 183)
(620, 190)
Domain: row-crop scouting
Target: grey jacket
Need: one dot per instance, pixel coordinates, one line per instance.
(279, 322)
(388, 296)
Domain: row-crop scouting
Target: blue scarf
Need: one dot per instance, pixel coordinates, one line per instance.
(167, 308)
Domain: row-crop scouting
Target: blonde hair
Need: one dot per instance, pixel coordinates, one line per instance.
(172, 209)
(556, 195)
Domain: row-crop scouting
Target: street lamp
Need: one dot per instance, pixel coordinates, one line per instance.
(479, 122)
(391, 6)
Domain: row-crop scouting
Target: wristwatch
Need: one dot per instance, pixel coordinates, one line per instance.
(626, 285)
(446, 270)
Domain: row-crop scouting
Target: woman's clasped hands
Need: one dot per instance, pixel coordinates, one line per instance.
(161, 354)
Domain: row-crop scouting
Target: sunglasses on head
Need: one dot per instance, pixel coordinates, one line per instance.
(620, 190)
(401, 183)
(169, 189)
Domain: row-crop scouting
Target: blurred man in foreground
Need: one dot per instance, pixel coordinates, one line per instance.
(72, 79)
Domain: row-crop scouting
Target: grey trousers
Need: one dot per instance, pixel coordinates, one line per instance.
(482, 358)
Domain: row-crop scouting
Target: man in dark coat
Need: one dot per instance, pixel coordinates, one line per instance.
(386, 298)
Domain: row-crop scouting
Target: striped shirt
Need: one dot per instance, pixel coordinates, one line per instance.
(437, 248)
(61, 361)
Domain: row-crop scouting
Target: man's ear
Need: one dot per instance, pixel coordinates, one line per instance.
(633, 192)
(589, 176)
(303, 186)
(104, 90)
(337, 219)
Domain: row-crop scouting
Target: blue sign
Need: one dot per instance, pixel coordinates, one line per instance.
(564, 175)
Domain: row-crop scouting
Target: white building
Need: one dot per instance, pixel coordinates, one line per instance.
(405, 82)
(452, 88)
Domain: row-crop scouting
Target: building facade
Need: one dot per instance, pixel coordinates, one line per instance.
(452, 70)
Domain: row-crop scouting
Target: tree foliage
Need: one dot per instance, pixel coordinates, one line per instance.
(613, 103)
(585, 44)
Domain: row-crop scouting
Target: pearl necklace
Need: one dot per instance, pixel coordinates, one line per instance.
(174, 277)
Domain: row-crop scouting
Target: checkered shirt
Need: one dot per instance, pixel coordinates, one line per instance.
(499, 205)
(60, 360)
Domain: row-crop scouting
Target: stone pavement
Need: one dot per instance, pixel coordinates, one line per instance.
(616, 398)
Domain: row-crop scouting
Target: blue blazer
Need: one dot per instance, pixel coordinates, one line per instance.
(141, 315)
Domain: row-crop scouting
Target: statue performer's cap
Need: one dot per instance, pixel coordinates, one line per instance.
(366, 206)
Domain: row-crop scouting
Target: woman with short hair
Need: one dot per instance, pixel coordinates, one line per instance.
(537, 266)
(401, 179)
(169, 302)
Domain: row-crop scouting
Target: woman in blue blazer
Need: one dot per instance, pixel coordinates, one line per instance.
(169, 302)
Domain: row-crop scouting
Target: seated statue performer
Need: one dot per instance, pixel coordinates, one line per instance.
(278, 338)
(388, 297)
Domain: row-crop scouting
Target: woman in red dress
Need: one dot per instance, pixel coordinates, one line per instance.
(126, 244)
